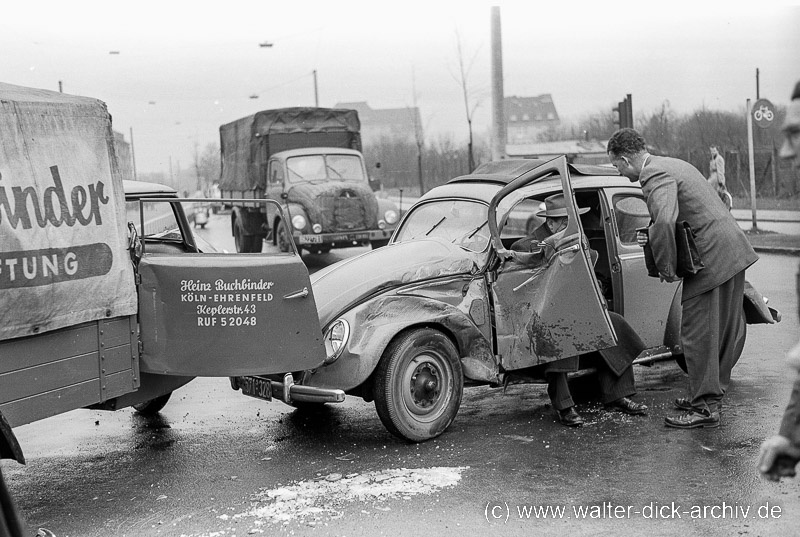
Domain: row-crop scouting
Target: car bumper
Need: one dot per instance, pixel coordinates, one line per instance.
(285, 390)
(342, 240)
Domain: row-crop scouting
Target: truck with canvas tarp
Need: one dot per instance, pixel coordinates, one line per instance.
(109, 300)
(309, 161)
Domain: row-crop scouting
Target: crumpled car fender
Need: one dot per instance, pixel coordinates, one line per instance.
(374, 324)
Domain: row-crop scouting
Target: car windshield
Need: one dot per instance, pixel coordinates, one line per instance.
(461, 222)
(325, 168)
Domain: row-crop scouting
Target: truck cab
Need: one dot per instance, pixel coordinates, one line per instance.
(328, 200)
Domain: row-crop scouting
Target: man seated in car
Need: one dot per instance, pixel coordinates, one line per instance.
(614, 371)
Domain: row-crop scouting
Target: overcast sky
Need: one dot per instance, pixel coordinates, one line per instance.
(173, 71)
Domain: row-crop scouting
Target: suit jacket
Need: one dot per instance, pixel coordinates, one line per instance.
(676, 191)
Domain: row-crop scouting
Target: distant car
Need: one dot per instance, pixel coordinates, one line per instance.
(446, 304)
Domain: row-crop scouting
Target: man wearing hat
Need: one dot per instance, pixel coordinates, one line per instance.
(614, 370)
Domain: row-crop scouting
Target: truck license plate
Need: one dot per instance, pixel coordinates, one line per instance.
(310, 239)
(256, 387)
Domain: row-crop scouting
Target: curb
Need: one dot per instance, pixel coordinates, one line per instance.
(777, 250)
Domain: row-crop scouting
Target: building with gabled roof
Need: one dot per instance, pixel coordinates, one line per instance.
(527, 117)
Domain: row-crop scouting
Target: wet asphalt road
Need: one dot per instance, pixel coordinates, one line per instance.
(205, 466)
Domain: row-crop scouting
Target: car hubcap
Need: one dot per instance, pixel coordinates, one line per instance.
(424, 385)
(425, 381)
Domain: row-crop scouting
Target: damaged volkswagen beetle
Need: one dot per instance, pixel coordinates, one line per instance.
(448, 304)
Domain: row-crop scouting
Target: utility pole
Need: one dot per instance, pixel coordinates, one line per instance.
(498, 112)
(757, 85)
(133, 157)
(752, 166)
(316, 95)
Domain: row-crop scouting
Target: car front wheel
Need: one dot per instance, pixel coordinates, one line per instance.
(418, 385)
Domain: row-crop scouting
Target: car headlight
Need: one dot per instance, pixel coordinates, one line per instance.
(299, 222)
(317, 228)
(390, 216)
(335, 339)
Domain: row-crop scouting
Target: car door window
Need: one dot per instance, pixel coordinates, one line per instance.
(275, 173)
(159, 220)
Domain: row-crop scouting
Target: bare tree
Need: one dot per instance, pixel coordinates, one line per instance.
(469, 108)
(206, 165)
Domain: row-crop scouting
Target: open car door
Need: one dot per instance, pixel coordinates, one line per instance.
(548, 305)
(219, 314)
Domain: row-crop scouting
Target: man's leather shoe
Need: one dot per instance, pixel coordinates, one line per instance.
(693, 420)
(628, 407)
(570, 417)
(683, 403)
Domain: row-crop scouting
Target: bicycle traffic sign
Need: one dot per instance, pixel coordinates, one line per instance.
(763, 113)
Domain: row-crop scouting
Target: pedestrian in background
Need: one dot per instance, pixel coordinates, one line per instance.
(781, 453)
(713, 327)
(716, 176)
(716, 169)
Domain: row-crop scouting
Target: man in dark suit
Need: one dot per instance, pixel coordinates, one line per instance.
(781, 453)
(614, 370)
(713, 327)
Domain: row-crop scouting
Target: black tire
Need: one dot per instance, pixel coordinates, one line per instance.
(379, 244)
(246, 244)
(202, 226)
(153, 406)
(418, 385)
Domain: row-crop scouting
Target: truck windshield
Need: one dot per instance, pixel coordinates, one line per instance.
(325, 168)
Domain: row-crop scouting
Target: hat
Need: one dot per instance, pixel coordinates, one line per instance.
(554, 207)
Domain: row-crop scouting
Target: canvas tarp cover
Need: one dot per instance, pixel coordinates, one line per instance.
(247, 143)
(63, 235)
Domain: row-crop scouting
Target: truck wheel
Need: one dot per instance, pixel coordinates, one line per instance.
(379, 244)
(418, 385)
(281, 238)
(153, 406)
(246, 244)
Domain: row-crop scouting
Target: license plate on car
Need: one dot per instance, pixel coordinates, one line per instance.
(256, 387)
(310, 239)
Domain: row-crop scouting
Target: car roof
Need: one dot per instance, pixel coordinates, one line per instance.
(141, 189)
(506, 170)
(489, 178)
